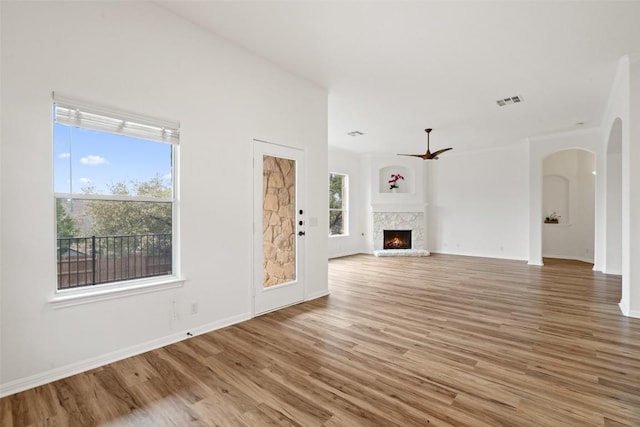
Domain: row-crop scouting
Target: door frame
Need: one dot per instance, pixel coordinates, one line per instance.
(293, 292)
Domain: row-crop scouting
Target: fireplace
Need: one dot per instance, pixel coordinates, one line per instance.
(397, 239)
(389, 220)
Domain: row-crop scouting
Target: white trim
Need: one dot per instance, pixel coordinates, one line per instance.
(399, 207)
(114, 197)
(88, 115)
(346, 253)
(212, 326)
(345, 204)
(482, 256)
(264, 299)
(110, 290)
(175, 213)
(95, 362)
(91, 294)
(628, 312)
(316, 295)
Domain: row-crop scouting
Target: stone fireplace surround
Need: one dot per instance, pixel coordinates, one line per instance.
(399, 217)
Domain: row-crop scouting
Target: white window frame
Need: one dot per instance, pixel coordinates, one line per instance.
(87, 115)
(345, 205)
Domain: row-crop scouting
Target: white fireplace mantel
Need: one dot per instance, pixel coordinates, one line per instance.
(399, 207)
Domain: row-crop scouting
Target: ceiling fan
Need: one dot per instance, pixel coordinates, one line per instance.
(428, 155)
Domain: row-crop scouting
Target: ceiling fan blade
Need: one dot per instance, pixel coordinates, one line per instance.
(435, 154)
(422, 156)
(428, 155)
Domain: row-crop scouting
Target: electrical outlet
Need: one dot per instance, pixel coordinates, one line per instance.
(194, 308)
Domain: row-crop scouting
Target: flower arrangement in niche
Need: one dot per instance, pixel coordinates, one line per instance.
(393, 182)
(553, 218)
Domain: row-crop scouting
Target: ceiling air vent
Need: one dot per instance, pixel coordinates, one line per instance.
(508, 101)
(355, 133)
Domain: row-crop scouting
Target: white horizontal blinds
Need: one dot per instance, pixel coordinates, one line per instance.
(79, 114)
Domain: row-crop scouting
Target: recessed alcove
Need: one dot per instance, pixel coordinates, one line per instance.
(402, 209)
(556, 198)
(386, 173)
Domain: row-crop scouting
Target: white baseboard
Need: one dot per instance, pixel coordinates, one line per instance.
(95, 362)
(494, 256)
(628, 312)
(315, 295)
(342, 254)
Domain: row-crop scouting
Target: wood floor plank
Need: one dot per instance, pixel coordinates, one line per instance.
(441, 340)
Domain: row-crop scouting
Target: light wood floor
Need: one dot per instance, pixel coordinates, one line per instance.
(442, 340)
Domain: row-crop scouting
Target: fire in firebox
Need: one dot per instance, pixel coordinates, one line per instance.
(397, 239)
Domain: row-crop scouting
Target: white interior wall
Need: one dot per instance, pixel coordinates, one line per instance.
(632, 208)
(138, 57)
(613, 255)
(478, 203)
(573, 236)
(585, 220)
(345, 162)
(619, 110)
(1, 196)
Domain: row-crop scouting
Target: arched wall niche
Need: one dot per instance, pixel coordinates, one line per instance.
(555, 200)
(404, 185)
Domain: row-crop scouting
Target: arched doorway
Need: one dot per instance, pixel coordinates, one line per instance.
(568, 205)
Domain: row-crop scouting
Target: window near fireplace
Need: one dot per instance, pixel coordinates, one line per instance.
(397, 239)
(338, 225)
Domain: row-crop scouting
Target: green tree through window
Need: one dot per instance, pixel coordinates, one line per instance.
(337, 204)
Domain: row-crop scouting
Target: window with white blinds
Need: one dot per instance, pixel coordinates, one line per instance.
(114, 191)
(81, 114)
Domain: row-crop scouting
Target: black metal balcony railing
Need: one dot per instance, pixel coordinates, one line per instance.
(86, 261)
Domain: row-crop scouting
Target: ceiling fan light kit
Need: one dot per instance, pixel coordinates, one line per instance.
(428, 155)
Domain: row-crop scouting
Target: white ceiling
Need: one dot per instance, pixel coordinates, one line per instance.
(394, 68)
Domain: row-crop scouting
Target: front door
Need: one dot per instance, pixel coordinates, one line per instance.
(278, 226)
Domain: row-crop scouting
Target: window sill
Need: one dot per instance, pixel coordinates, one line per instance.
(72, 297)
(333, 236)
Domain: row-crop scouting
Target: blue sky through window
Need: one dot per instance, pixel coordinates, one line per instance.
(84, 157)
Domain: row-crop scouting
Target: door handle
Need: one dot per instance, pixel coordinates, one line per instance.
(301, 233)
